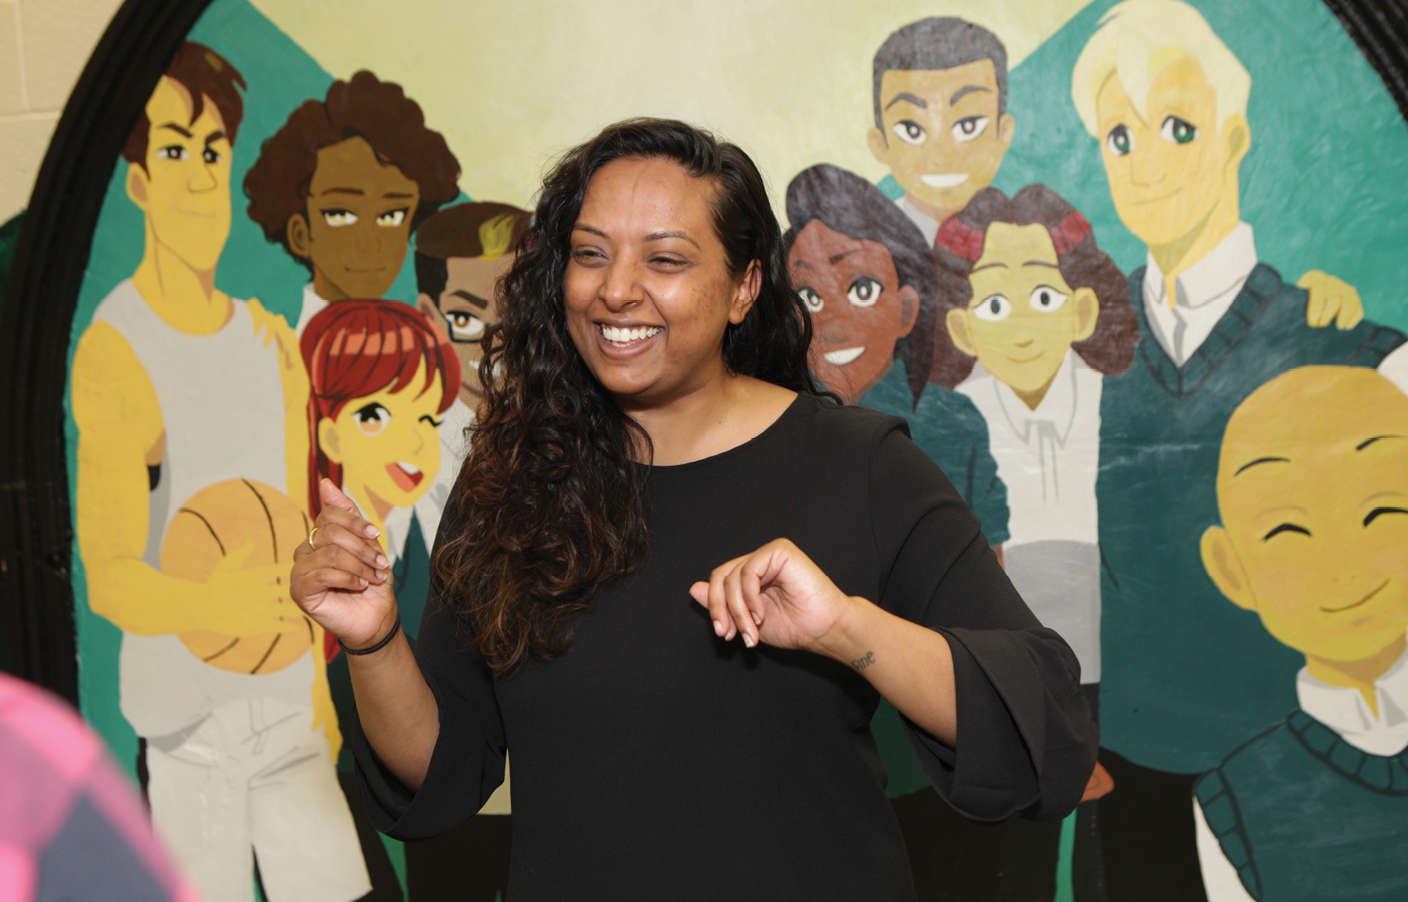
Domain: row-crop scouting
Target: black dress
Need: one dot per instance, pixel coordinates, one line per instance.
(656, 761)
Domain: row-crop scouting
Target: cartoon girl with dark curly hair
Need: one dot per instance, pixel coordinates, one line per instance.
(1036, 316)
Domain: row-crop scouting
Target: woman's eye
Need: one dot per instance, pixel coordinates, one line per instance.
(339, 218)
(465, 326)
(1120, 141)
(172, 152)
(811, 299)
(992, 308)
(372, 418)
(391, 218)
(1047, 299)
(210, 156)
(587, 256)
(910, 132)
(1177, 130)
(864, 292)
(969, 128)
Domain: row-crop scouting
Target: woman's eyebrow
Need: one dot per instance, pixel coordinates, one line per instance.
(661, 236)
(1042, 263)
(988, 266)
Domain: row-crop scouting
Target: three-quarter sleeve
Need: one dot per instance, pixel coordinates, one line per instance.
(1026, 739)
(467, 764)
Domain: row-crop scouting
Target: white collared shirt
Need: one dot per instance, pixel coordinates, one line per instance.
(1205, 294)
(1048, 457)
(312, 306)
(1205, 291)
(1342, 710)
(927, 224)
(1345, 711)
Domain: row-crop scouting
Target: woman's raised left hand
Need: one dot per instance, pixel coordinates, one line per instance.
(776, 595)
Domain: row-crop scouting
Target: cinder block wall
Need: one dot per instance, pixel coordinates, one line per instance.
(43, 46)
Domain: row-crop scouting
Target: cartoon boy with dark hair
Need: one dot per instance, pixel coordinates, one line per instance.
(941, 121)
(461, 253)
(175, 390)
(344, 183)
(1312, 488)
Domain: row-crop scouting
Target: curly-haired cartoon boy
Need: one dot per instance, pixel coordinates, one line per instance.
(343, 184)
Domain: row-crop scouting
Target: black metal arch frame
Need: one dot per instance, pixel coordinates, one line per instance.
(36, 532)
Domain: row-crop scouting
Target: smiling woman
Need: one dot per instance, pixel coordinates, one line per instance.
(649, 430)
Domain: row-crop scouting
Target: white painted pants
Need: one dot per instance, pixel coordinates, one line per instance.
(254, 776)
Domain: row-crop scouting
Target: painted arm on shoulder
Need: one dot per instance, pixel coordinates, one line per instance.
(1331, 300)
(121, 433)
(294, 377)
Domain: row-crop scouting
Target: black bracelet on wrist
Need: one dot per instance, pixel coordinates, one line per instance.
(395, 628)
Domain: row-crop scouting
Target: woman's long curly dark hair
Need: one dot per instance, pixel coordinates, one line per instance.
(550, 501)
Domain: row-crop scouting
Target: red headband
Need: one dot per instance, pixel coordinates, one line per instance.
(962, 240)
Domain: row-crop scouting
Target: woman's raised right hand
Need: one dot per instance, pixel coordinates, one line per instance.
(344, 582)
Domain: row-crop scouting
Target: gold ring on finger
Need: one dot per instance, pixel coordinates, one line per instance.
(311, 533)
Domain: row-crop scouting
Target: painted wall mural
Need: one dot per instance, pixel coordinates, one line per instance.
(1133, 272)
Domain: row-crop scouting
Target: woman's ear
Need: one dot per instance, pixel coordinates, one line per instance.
(298, 237)
(909, 309)
(1225, 567)
(329, 441)
(1087, 312)
(959, 331)
(747, 293)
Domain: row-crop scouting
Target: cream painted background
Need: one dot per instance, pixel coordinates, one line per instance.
(44, 45)
(780, 77)
(460, 61)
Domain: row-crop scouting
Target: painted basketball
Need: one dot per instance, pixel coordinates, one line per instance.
(221, 519)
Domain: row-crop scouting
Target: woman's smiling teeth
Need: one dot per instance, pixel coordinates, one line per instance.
(623, 337)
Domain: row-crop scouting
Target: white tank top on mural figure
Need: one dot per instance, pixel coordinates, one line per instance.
(221, 399)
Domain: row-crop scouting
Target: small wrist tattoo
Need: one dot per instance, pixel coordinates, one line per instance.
(864, 661)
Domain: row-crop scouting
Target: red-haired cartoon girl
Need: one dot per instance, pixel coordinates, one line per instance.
(380, 374)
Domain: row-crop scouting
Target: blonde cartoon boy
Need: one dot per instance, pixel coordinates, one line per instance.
(177, 387)
(1312, 486)
(1167, 101)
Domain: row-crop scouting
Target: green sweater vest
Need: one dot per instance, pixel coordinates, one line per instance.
(1187, 676)
(1304, 816)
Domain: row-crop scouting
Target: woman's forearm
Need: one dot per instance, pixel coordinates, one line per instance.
(397, 709)
(910, 665)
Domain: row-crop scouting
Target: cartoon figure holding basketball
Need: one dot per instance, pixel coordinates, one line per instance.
(189, 406)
